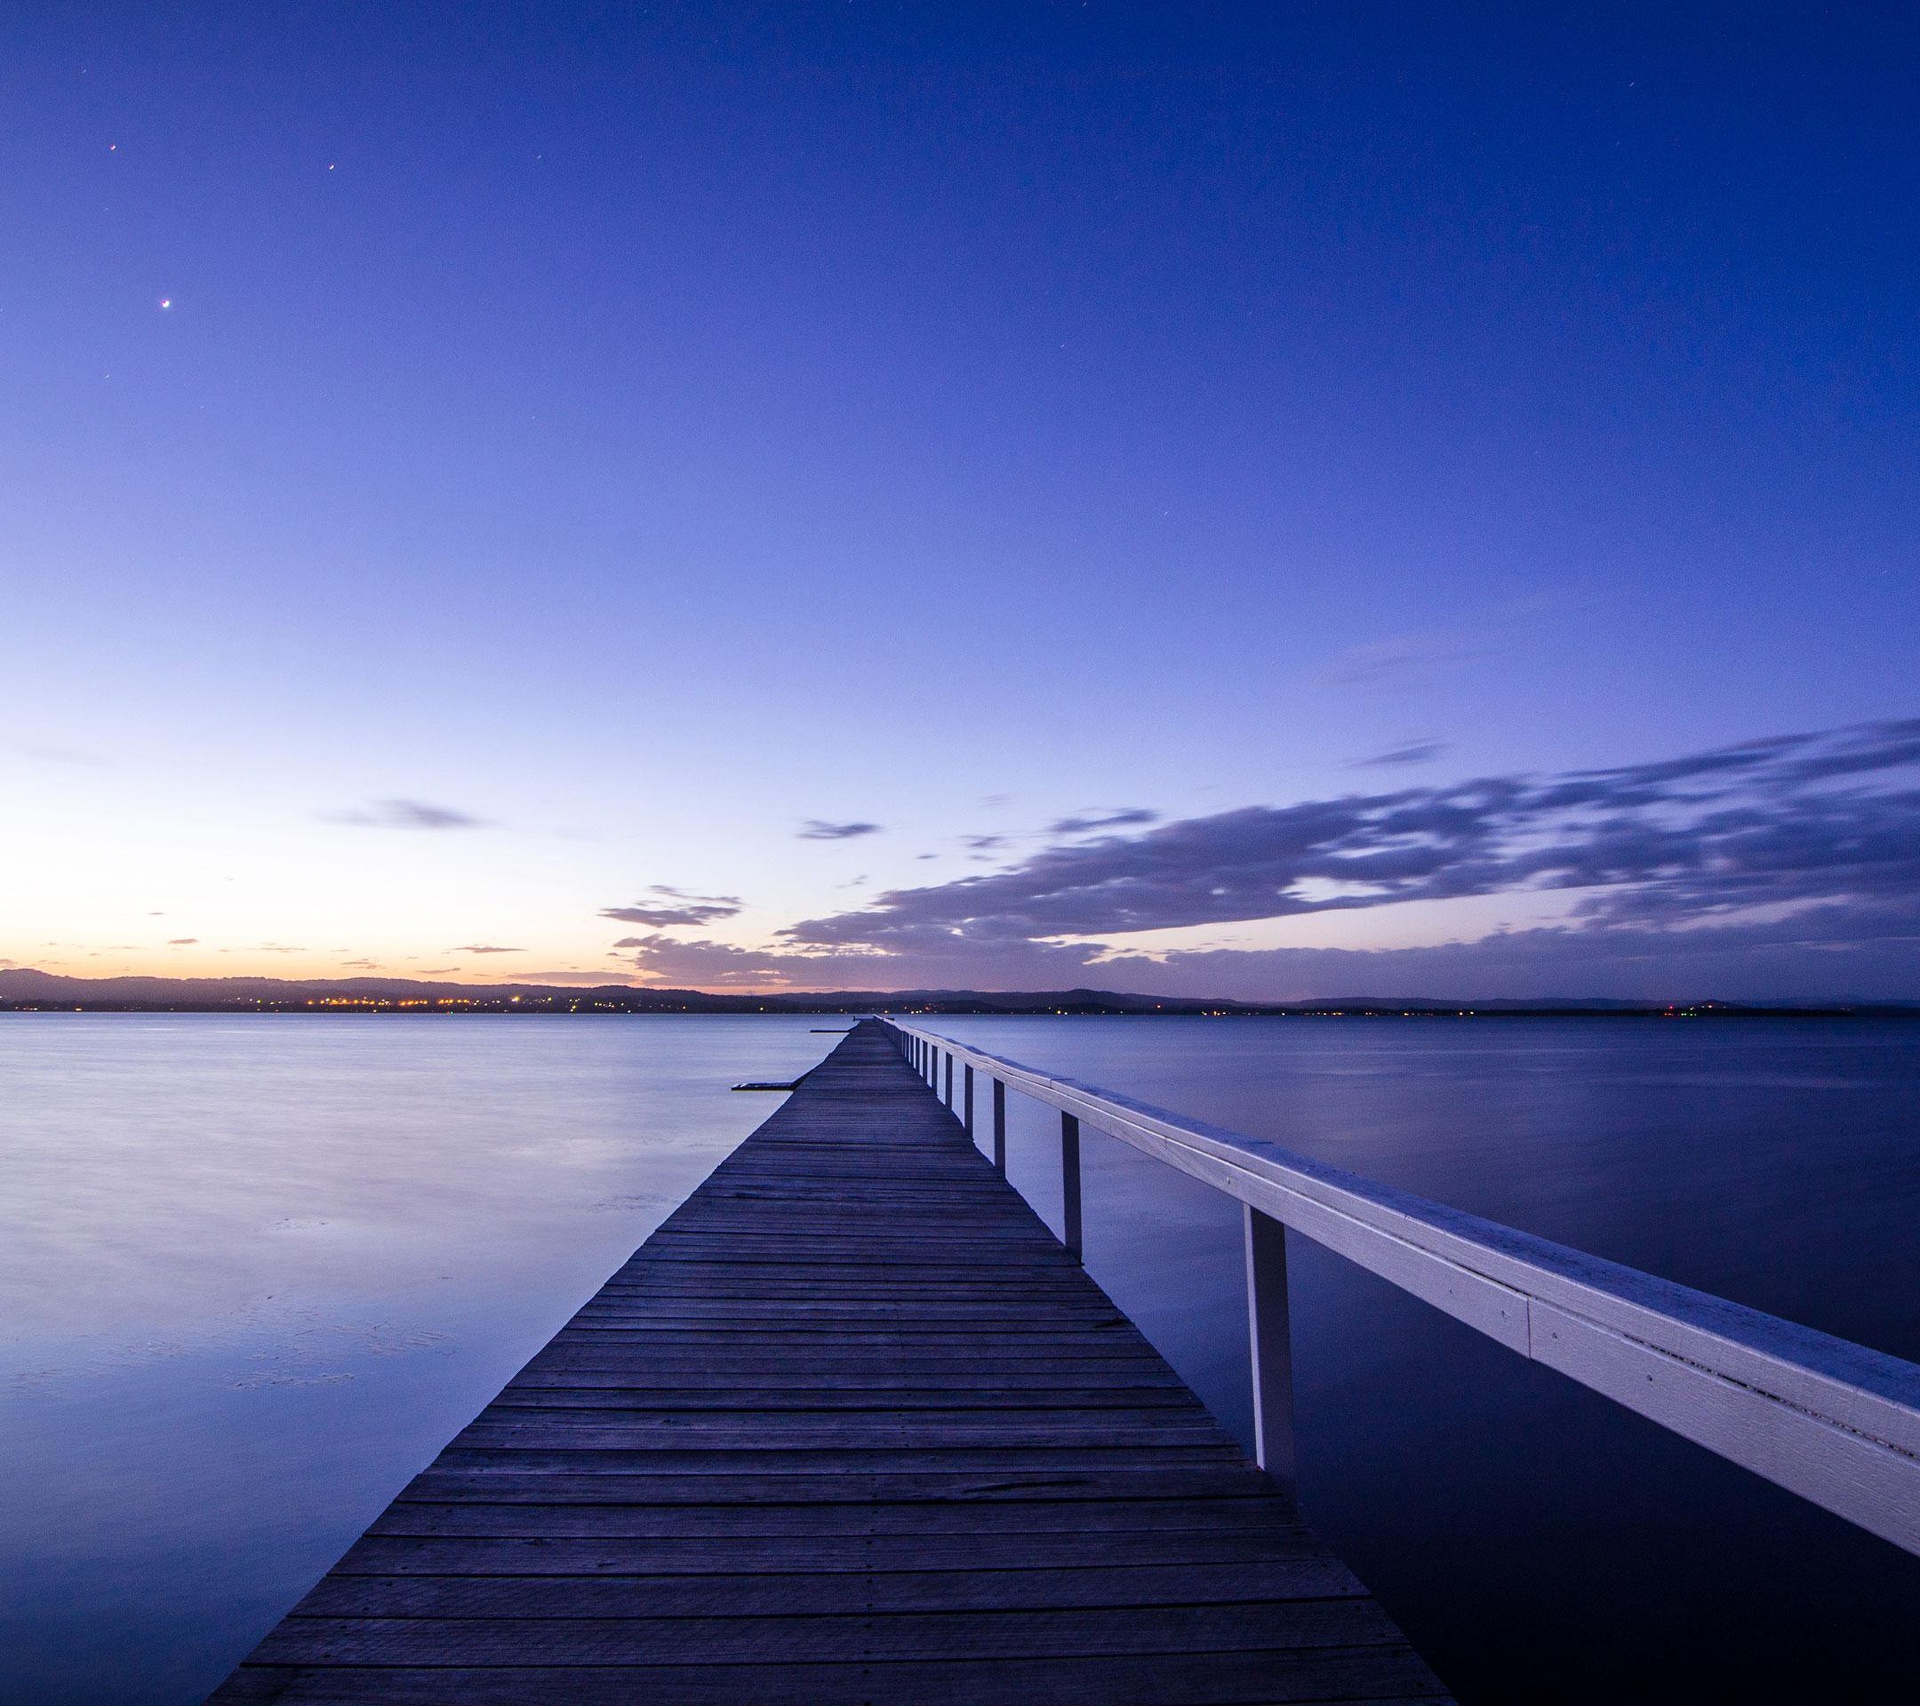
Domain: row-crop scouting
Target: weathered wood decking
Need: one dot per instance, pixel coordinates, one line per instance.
(851, 1426)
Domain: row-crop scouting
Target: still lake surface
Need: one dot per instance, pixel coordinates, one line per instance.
(256, 1270)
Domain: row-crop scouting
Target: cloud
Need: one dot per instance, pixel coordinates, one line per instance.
(182, 941)
(665, 917)
(405, 814)
(1122, 817)
(1796, 820)
(715, 965)
(1787, 867)
(983, 843)
(1402, 658)
(814, 829)
(681, 909)
(1417, 752)
(484, 948)
(1834, 954)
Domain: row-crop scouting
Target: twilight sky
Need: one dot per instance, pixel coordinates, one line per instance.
(1361, 499)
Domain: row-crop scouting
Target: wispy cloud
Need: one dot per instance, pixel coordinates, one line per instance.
(1798, 819)
(1400, 659)
(817, 829)
(674, 908)
(405, 814)
(715, 965)
(1781, 867)
(182, 941)
(1119, 817)
(485, 948)
(1415, 752)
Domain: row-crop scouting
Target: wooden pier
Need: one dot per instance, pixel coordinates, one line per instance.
(852, 1426)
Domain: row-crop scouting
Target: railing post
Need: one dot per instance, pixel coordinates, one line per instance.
(999, 1126)
(1272, 1346)
(967, 1099)
(1070, 1183)
(949, 1094)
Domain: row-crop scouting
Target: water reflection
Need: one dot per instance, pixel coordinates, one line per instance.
(258, 1269)
(1538, 1544)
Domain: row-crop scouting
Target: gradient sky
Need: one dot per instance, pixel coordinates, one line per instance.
(469, 472)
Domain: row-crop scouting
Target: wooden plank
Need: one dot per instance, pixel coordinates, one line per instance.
(849, 1426)
(593, 1391)
(793, 1592)
(499, 1477)
(1377, 1675)
(824, 1505)
(724, 1460)
(1289, 1554)
(569, 1639)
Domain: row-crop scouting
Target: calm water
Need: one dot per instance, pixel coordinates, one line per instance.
(257, 1270)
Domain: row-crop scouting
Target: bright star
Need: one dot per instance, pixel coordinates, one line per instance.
(166, 302)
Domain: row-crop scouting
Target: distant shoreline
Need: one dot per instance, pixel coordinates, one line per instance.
(26, 991)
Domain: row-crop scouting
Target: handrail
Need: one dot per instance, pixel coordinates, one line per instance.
(1830, 1420)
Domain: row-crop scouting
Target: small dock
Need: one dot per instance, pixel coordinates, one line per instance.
(852, 1426)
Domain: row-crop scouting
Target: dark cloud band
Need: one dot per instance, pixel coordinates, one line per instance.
(817, 829)
(1800, 819)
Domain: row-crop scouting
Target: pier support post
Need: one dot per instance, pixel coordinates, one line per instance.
(1070, 1184)
(999, 1127)
(949, 1094)
(1272, 1345)
(967, 1101)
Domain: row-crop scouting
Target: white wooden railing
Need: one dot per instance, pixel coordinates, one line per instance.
(1830, 1420)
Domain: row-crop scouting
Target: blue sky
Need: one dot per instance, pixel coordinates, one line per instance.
(464, 472)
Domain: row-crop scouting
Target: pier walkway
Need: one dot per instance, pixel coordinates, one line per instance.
(852, 1426)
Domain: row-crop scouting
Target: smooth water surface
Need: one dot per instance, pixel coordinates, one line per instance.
(1537, 1543)
(256, 1270)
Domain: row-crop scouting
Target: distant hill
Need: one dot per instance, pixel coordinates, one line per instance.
(25, 990)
